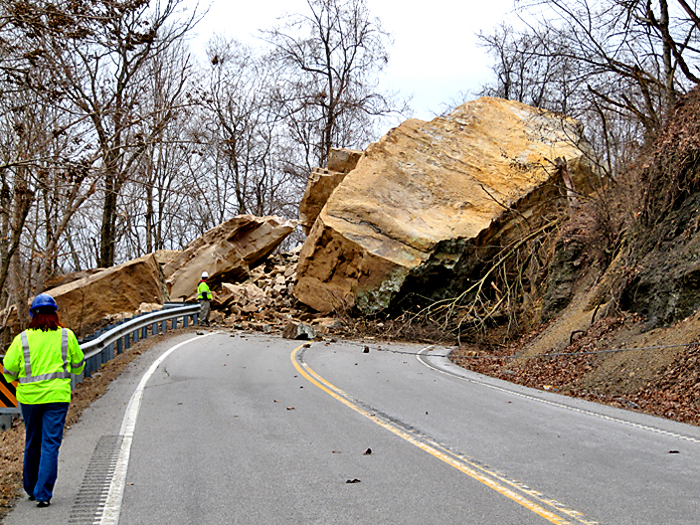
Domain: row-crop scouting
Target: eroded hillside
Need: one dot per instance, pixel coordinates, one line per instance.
(622, 296)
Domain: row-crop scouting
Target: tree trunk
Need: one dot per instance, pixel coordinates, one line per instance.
(107, 233)
(669, 70)
(149, 218)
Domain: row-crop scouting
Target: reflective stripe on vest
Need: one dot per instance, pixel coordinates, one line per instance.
(14, 375)
(43, 377)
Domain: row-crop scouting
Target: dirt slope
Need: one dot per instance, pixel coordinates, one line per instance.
(629, 326)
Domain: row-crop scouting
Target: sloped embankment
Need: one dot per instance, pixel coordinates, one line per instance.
(629, 330)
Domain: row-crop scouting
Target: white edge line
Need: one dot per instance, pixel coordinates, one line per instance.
(420, 356)
(113, 503)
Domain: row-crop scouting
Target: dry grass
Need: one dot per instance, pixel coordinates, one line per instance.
(661, 378)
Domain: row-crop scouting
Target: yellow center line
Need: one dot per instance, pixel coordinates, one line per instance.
(444, 455)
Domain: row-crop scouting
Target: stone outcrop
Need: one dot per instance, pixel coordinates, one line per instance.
(420, 201)
(227, 252)
(83, 303)
(322, 182)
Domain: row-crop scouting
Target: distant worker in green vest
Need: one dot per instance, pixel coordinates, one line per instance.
(204, 296)
(43, 358)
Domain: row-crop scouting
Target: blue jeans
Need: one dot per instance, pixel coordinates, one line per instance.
(44, 432)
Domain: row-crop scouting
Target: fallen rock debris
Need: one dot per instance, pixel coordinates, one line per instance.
(264, 303)
(227, 252)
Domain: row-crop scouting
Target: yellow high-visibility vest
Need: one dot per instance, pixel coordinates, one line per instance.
(43, 363)
(203, 291)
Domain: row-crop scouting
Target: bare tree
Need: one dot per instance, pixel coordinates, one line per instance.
(96, 76)
(249, 154)
(335, 55)
(632, 55)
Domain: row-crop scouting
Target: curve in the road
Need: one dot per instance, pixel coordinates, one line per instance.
(422, 358)
(525, 496)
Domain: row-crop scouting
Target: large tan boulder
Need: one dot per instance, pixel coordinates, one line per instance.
(227, 252)
(85, 302)
(343, 160)
(426, 194)
(319, 187)
(322, 182)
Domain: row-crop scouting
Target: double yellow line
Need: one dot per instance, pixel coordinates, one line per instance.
(508, 488)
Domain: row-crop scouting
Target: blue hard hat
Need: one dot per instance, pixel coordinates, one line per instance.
(43, 300)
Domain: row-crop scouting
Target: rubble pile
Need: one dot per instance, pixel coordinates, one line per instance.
(227, 253)
(265, 302)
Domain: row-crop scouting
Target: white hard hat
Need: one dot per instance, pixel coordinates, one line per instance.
(205, 275)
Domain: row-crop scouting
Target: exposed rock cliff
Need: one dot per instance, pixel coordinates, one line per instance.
(422, 201)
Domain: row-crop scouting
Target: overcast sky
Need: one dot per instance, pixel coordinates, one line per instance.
(434, 56)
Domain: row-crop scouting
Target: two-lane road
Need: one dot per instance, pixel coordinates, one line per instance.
(246, 429)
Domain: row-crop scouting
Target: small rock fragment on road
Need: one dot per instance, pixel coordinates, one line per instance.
(367, 452)
(354, 480)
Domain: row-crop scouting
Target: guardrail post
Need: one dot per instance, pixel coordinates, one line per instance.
(5, 421)
(154, 329)
(120, 345)
(185, 321)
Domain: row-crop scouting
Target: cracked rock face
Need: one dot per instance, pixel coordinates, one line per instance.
(322, 182)
(424, 194)
(226, 252)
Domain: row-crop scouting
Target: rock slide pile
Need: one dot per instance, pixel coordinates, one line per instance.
(410, 212)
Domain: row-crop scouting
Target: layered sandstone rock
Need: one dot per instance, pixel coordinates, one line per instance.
(420, 200)
(322, 182)
(83, 303)
(227, 252)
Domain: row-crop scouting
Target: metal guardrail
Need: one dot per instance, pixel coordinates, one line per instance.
(104, 346)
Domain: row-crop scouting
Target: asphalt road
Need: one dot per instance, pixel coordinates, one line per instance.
(246, 429)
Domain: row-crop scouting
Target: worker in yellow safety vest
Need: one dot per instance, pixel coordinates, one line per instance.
(42, 359)
(204, 296)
